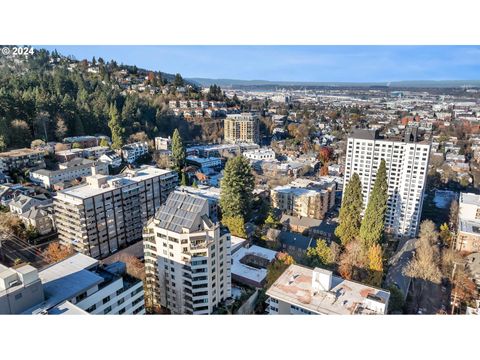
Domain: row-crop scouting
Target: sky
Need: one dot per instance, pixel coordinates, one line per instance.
(296, 63)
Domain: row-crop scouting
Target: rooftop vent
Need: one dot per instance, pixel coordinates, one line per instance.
(321, 280)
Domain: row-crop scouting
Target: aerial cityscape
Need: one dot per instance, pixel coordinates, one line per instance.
(140, 189)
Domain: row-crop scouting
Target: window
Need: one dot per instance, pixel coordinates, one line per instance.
(107, 310)
(107, 299)
(121, 311)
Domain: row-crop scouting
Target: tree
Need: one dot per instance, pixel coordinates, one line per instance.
(115, 128)
(453, 216)
(56, 252)
(183, 179)
(324, 170)
(11, 224)
(428, 231)
(140, 136)
(135, 267)
(350, 211)
(3, 134)
(76, 145)
(237, 188)
(325, 154)
(424, 266)
(236, 225)
(104, 142)
(352, 262)
(445, 234)
(373, 222)
(37, 143)
(321, 255)
(375, 265)
(277, 267)
(178, 81)
(271, 221)
(396, 301)
(20, 134)
(178, 152)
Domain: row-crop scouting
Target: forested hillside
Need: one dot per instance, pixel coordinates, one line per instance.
(49, 96)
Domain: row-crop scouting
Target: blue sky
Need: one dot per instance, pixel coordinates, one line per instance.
(296, 63)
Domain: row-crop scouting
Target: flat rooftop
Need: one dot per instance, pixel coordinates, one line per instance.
(244, 271)
(20, 152)
(66, 279)
(469, 199)
(87, 190)
(345, 297)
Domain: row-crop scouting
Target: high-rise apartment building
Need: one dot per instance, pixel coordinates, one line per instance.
(407, 166)
(241, 128)
(78, 284)
(187, 256)
(108, 213)
(304, 291)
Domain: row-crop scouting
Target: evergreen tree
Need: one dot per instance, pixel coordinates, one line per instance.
(373, 223)
(350, 212)
(178, 152)
(321, 255)
(115, 128)
(237, 188)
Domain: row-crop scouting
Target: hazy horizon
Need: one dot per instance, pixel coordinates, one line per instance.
(350, 64)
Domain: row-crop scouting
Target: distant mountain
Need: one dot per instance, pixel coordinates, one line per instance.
(229, 83)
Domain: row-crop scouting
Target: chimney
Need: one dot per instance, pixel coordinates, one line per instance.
(321, 280)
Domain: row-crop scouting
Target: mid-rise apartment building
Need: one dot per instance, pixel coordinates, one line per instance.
(468, 237)
(260, 154)
(407, 166)
(162, 143)
(304, 291)
(22, 158)
(187, 256)
(76, 168)
(242, 128)
(304, 197)
(76, 285)
(132, 152)
(108, 213)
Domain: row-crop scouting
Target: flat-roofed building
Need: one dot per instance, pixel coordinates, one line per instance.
(22, 158)
(132, 152)
(187, 256)
(242, 128)
(20, 289)
(301, 290)
(73, 169)
(78, 285)
(304, 197)
(260, 154)
(108, 213)
(249, 265)
(162, 143)
(406, 160)
(468, 237)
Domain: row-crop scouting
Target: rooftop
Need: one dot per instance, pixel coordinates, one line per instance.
(345, 297)
(66, 279)
(20, 152)
(98, 184)
(180, 211)
(252, 271)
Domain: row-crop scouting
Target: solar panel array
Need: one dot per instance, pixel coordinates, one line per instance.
(179, 211)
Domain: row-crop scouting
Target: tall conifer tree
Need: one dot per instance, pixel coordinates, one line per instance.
(350, 212)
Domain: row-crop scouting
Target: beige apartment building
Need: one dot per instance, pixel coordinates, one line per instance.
(468, 238)
(304, 197)
(187, 256)
(108, 213)
(242, 128)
